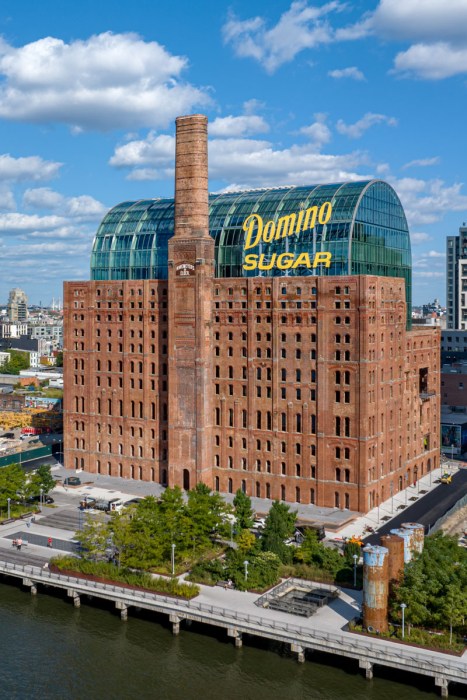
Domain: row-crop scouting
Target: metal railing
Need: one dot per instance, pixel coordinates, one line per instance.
(348, 644)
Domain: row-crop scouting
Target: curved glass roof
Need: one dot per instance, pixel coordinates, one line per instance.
(366, 234)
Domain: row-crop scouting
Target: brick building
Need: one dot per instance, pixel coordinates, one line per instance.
(307, 387)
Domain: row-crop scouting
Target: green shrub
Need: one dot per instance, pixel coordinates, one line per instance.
(131, 578)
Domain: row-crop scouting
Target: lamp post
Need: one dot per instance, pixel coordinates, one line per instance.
(406, 486)
(355, 559)
(245, 563)
(8, 500)
(403, 607)
(452, 453)
(173, 559)
(40, 499)
(391, 488)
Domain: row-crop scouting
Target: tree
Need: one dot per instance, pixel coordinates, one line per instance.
(312, 551)
(454, 607)
(59, 362)
(279, 526)
(12, 482)
(243, 510)
(42, 479)
(94, 536)
(204, 511)
(18, 361)
(246, 541)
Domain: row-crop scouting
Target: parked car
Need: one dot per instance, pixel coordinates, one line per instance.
(45, 499)
(72, 481)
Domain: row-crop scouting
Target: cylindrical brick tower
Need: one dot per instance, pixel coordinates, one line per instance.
(407, 537)
(190, 272)
(375, 588)
(417, 539)
(395, 546)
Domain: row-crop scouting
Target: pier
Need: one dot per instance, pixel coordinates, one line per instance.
(235, 612)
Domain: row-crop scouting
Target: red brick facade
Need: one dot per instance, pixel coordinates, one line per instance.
(303, 389)
(315, 390)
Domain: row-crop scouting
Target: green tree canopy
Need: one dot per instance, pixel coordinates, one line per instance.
(12, 483)
(243, 510)
(279, 526)
(18, 360)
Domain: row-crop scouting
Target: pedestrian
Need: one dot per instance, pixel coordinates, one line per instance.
(19, 542)
(49, 542)
(28, 524)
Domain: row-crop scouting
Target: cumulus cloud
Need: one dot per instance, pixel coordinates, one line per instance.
(104, 82)
(426, 201)
(421, 163)
(231, 126)
(417, 238)
(355, 131)
(428, 20)
(81, 208)
(245, 162)
(7, 199)
(301, 27)
(351, 72)
(319, 133)
(156, 150)
(438, 32)
(14, 222)
(32, 168)
(432, 61)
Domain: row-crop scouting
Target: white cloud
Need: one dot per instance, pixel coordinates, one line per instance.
(42, 198)
(426, 201)
(438, 31)
(80, 208)
(31, 168)
(107, 81)
(355, 131)
(244, 162)
(319, 133)
(351, 72)
(301, 27)
(431, 273)
(429, 20)
(15, 222)
(421, 163)
(232, 127)
(432, 61)
(7, 199)
(154, 150)
(418, 238)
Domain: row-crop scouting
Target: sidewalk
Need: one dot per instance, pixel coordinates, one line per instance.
(390, 508)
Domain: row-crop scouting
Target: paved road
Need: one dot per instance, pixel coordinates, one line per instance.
(428, 509)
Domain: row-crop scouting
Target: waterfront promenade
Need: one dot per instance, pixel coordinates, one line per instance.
(237, 613)
(234, 611)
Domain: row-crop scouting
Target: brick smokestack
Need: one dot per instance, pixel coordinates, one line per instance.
(191, 177)
(191, 273)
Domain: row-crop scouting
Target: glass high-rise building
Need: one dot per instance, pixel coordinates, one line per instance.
(456, 280)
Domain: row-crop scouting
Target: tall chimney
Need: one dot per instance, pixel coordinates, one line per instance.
(191, 177)
(190, 287)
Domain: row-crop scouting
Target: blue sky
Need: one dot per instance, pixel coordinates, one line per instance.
(296, 93)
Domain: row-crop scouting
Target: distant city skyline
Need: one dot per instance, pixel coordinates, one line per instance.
(296, 93)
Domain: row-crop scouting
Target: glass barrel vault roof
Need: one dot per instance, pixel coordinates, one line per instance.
(366, 234)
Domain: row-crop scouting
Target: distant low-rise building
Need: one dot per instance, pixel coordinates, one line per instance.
(4, 358)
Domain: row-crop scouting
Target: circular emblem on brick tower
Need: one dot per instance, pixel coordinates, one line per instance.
(185, 270)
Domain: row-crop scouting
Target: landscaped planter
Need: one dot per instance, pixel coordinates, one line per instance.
(120, 584)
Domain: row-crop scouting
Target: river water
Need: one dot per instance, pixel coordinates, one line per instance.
(49, 650)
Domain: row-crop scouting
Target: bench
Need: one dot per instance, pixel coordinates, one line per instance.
(225, 584)
(25, 516)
